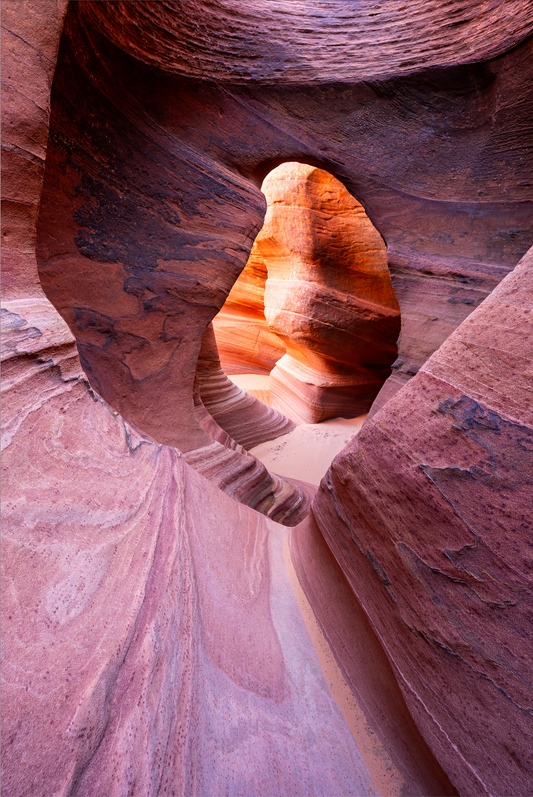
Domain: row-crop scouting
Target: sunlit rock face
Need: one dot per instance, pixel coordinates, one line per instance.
(315, 299)
(151, 639)
(245, 342)
(328, 296)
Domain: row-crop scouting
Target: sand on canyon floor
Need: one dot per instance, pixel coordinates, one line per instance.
(307, 451)
(306, 454)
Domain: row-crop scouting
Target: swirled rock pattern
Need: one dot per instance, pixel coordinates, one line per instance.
(237, 421)
(451, 231)
(241, 415)
(244, 340)
(151, 641)
(150, 635)
(124, 669)
(328, 296)
(314, 300)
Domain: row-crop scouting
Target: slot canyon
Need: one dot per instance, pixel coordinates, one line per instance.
(267, 398)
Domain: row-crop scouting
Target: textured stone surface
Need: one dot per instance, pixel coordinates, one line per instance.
(237, 421)
(244, 340)
(328, 296)
(311, 44)
(246, 419)
(138, 344)
(435, 296)
(364, 663)
(429, 514)
(30, 39)
(314, 299)
(429, 161)
(125, 670)
(150, 640)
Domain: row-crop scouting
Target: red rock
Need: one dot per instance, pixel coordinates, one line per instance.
(244, 341)
(151, 641)
(328, 296)
(435, 226)
(30, 40)
(148, 622)
(363, 660)
(246, 419)
(428, 513)
(236, 421)
(122, 664)
(311, 45)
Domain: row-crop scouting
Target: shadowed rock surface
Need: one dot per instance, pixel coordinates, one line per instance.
(152, 642)
(429, 514)
(438, 179)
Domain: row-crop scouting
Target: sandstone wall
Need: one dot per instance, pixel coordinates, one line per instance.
(314, 299)
(151, 640)
(244, 341)
(328, 296)
(429, 514)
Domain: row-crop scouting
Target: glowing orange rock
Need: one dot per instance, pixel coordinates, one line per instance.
(328, 296)
(245, 342)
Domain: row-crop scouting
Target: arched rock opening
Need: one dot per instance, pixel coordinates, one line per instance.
(139, 241)
(315, 300)
(455, 219)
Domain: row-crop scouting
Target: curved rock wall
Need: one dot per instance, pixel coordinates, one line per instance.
(245, 418)
(120, 665)
(312, 44)
(151, 641)
(244, 341)
(139, 311)
(433, 189)
(429, 513)
(328, 296)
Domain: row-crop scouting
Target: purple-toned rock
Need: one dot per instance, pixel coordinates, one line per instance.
(429, 513)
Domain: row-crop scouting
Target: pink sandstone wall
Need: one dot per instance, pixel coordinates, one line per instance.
(152, 643)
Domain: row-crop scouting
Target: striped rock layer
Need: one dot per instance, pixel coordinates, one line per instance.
(152, 641)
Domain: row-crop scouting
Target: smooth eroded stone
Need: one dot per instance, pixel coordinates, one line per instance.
(151, 642)
(328, 296)
(245, 342)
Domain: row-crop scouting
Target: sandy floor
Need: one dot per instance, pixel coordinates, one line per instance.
(387, 779)
(256, 384)
(306, 452)
(251, 382)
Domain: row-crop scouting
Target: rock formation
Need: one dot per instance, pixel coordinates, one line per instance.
(329, 320)
(244, 341)
(429, 514)
(243, 417)
(328, 296)
(152, 640)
